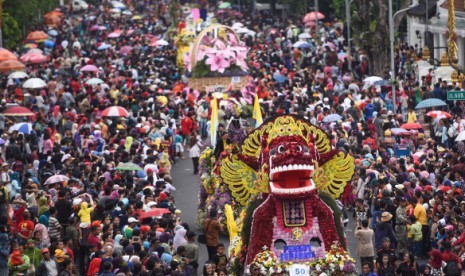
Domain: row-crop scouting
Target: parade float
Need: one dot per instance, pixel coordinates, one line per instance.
(217, 60)
(277, 192)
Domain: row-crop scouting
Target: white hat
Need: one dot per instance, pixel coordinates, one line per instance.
(131, 220)
(116, 187)
(325, 99)
(151, 204)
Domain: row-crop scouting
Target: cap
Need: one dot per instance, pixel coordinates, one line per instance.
(44, 250)
(59, 255)
(97, 223)
(30, 241)
(149, 171)
(131, 220)
(428, 188)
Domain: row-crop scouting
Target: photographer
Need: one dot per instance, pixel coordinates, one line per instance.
(365, 249)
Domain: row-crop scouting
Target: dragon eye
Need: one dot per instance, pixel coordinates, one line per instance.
(281, 149)
(273, 151)
(306, 149)
(299, 148)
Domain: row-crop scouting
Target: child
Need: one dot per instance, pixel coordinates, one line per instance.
(15, 257)
(220, 258)
(417, 236)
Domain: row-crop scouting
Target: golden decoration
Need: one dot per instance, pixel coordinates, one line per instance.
(333, 176)
(425, 53)
(444, 59)
(454, 76)
(452, 39)
(240, 178)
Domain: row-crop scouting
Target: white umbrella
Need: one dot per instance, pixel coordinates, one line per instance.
(372, 80)
(126, 12)
(18, 75)
(305, 36)
(162, 42)
(242, 31)
(461, 136)
(34, 83)
(94, 81)
(237, 26)
(118, 5)
(115, 10)
(251, 33)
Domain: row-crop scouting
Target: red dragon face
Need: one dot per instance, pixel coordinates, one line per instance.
(291, 165)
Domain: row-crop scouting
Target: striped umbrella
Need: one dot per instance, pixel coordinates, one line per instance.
(21, 127)
(128, 166)
(439, 114)
(115, 111)
(56, 179)
(430, 103)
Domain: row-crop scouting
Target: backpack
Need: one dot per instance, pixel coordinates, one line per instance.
(452, 268)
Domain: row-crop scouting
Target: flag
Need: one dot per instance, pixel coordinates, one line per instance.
(214, 122)
(257, 113)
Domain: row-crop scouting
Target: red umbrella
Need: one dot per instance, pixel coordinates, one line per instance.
(11, 65)
(18, 111)
(6, 55)
(115, 111)
(411, 126)
(37, 36)
(32, 57)
(154, 212)
(439, 113)
(313, 16)
(125, 50)
(89, 68)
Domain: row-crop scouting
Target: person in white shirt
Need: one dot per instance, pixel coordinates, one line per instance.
(194, 154)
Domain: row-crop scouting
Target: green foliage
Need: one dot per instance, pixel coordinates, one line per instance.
(11, 32)
(339, 7)
(329, 200)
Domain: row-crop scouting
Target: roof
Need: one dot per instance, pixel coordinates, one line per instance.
(419, 10)
(458, 4)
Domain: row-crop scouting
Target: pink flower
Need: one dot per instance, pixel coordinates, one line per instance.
(217, 62)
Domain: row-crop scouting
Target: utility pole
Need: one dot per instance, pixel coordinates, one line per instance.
(349, 45)
(1, 23)
(317, 28)
(391, 46)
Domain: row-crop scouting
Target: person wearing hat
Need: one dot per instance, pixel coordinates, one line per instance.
(384, 230)
(128, 231)
(47, 266)
(34, 254)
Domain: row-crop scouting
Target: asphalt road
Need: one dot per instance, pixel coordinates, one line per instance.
(186, 196)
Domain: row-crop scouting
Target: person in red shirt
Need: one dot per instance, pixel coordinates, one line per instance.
(186, 127)
(93, 239)
(448, 256)
(370, 142)
(25, 227)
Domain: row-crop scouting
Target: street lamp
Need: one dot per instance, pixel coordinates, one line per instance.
(391, 45)
(348, 33)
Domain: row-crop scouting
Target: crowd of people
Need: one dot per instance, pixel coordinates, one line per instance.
(409, 209)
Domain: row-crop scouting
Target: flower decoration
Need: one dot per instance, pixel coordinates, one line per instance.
(336, 262)
(268, 262)
(220, 56)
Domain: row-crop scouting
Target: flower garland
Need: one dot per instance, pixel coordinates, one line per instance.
(336, 262)
(268, 262)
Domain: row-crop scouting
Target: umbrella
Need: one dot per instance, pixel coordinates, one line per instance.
(382, 82)
(94, 81)
(34, 83)
(224, 5)
(330, 45)
(237, 25)
(35, 50)
(305, 36)
(341, 56)
(136, 17)
(37, 36)
(332, 118)
(18, 111)
(11, 65)
(125, 50)
(371, 80)
(310, 24)
(89, 68)
(153, 212)
(439, 114)
(49, 43)
(409, 126)
(162, 42)
(18, 75)
(129, 166)
(56, 179)
(118, 5)
(430, 103)
(313, 16)
(114, 34)
(242, 31)
(301, 44)
(33, 57)
(103, 47)
(30, 46)
(115, 10)
(115, 111)
(6, 55)
(461, 136)
(399, 131)
(53, 32)
(126, 12)
(279, 78)
(21, 127)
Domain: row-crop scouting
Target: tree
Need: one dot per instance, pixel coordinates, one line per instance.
(11, 31)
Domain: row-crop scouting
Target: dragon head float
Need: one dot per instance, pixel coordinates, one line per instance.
(289, 166)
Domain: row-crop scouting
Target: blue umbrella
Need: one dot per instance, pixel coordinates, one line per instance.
(103, 47)
(21, 127)
(383, 82)
(279, 78)
(49, 43)
(332, 118)
(430, 103)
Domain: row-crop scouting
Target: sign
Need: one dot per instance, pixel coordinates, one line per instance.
(299, 270)
(456, 95)
(236, 79)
